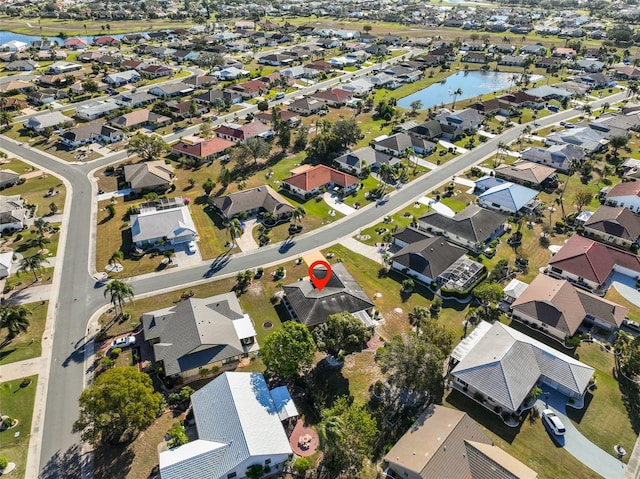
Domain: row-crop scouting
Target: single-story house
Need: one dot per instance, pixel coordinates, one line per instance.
(559, 157)
(239, 423)
(135, 99)
(170, 90)
(625, 194)
(399, 143)
(508, 197)
(54, 119)
(355, 161)
(239, 133)
(140, 118)
(148, 175)
(310, 306)
(252, 201)
(502, 365)
(589, 264)
(447, 443)
(21, 65)
(96, 109)
(528, 174)
(170, 227)
(559, 309)
(585, 138)
(472, 228)
(198, 333)
(202, 149)
(91, 133)
(122, 78)
(6, 263)
(336, 97)
(8, 178)
(434, 259)
(13, 213)
(311, 180)
(615, 225)
(306, 106)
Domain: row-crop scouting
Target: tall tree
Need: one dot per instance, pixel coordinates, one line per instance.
(119, 404)
(342, 332)
(42, 226)
(418, 316)
(32, 263)
(116, 258)
(148, 147)
(616, 142)
(298, 213)
(284, 138)
(415, 106)
(348, 431)
(288, 351)
(455, 95)
(235, 230)
(257, 148)
(347, 132)
(119, 293)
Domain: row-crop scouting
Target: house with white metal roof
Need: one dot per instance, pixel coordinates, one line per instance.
(238, 424)
(508, 197)
(168, 227)
(498, 366)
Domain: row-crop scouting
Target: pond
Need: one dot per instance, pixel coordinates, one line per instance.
(8, 36)
(471, 83)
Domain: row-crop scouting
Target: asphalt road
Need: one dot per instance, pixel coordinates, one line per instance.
(79, 297)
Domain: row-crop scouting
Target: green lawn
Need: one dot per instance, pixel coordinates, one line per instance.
(25, 245)
(26, 345)
(35, 191)
(399, 220)
(17, 403)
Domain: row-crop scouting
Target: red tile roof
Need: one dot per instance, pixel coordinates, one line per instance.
(336, 94)
(318, 176)
(591, 260)
(243, 132)
(204, 148)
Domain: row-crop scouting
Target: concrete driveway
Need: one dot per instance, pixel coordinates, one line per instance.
(626, 286)
(578, 445)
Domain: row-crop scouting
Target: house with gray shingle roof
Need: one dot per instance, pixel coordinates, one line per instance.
(471, 228)
(251, 201)
(559, 157)
(502, 365)
(148, 175)
(355, 161)
(310, 306)
(199, 332)
(13, 213)
(239, 423)
(614, 225)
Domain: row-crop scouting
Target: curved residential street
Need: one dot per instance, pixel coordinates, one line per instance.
(54, 450)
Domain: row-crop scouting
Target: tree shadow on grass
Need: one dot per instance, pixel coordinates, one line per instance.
(482, 415)
(631, 400)
(327, 385)
(112, 462)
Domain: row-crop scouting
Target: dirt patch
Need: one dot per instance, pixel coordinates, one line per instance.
(256, 289)
(375, 342)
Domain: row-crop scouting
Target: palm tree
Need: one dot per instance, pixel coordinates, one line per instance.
(5, 119)
(298, 214)
(119, 293)
(32, 263)
(40, 241)
(386, 174)
(14, 318)
(417, 317)
(235, 230)
(116, 258)
(42, 225)
(455, 94)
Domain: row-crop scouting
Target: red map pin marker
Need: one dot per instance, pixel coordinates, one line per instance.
(320, 282)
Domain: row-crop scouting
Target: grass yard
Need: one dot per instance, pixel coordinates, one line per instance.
(458, 201)
(634, 311)
(400, 220)
(17, 403)
(530, 443)
(26, 345)
(25, 245)
(604, 402)
(35, 191)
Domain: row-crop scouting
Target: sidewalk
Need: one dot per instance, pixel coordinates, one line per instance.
(30, 294)
(20, 369)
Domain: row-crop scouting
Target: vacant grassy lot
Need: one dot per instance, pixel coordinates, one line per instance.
(26, 345)
(17, 403)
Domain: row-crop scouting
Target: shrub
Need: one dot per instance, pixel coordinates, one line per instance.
(4, 462)
(7, 422)
(301, 465)
(114, 353)
(106, 363)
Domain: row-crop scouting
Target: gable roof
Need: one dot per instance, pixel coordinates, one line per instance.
(203, 148)
(170, 223)
(197, 332)
(616, 221)
(472, 224)
(342, 293)
(236, 419)
(446, 443)
(318, 176)
(243, 132)
(138, 117)
(149, 174)
(246, 200)
(557, 303)
(429, 257)
(505, 364)
(366, 156)
(625, 188)
(591, 260)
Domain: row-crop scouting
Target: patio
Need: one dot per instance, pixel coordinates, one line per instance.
(304, 441)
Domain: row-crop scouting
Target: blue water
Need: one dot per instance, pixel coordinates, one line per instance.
(8, 36)
(472, 84)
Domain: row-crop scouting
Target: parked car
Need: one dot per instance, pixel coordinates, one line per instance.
(123, 342)
(631, 324)
(279, 96)
(553, 421)
(191, 246)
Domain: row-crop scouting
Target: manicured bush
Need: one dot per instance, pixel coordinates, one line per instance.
(4, 462)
